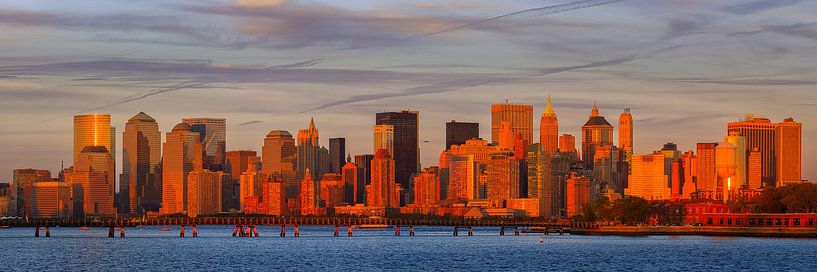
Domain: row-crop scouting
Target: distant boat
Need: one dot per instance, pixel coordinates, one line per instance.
(164, 229)
(371, 226)
(5, 227)
(84, 228)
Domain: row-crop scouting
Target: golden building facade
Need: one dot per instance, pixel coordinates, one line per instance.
(647, 179)
(519, 116)
(141, 155)
(549, 130)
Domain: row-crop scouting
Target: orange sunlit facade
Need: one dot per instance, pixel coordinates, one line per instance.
(549, 130)
(520, 118)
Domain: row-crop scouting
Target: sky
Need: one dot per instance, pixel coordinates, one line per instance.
(684, 67)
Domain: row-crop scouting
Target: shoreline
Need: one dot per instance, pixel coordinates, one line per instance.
(699, 231)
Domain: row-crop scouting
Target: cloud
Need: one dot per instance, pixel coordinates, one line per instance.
(540, 11)
(800, 30)
(751, 7)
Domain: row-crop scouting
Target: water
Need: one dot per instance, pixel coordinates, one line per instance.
(433, 249)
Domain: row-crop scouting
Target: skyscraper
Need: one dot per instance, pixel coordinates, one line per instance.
(213, 136)
(754, 170)
(739, 142)
(238, 161)
(353, 185)
(308, 146)
(540, 181)
(706, 174)
(549, 130)
(567, 143)
(309, 200)
(141, 155)
(789, 145)
(577, 193)
(205, 194)
(381, 192)
(383, 138)
(251, 188)
(456, 133)
(504, 177)
(406, 150)
(625, 134)
(648, 179)
(183, 152)
(427, 188)
(95, 130)
(595, 132)
(760, 133)
(278, 153)
(92, 172)
(337, 154)
(507, 137)
(463, 176)
(519, 116)
(51, 199)
(364, 174)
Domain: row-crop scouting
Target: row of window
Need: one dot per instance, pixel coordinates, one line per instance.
(760, 221)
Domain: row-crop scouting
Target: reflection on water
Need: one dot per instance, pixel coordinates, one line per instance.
(433, 248)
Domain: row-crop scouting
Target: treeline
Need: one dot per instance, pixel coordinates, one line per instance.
(795, 198)
(630, 210)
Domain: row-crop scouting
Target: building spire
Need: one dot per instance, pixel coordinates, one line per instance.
(549, 112)
(311, 123)
(595, 111)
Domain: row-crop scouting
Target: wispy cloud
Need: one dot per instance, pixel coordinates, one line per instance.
(539, 11)
(755, 6)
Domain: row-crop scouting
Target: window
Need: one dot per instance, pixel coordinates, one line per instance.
(729, 221)
(709, 221)
(769, 222)
(811, 221)
(797, 221)
(786, 222)
(779, 222)
(751, 221)
(721, 221)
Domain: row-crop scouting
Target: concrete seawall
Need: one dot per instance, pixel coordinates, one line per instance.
(700, 231)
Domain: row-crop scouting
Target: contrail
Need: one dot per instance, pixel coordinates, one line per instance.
(553, 9)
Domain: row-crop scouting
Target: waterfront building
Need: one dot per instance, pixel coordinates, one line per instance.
(530, 207)
(213, 137)
(7, 205)
(332, 190)
(595, 132)
(183, 152)
(504, 174)
(364, 174)
(789, 145)
(337, 154)
(22, 182)
(406, 150)
(549, 130)
(456, 133)
(51, 199)
(647, 179)
(141, 155)
(779, 144)
(274, 192)
(520, 118)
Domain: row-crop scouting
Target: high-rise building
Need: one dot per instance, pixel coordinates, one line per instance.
(95, 130)
(51, 199)
(504, 177)
(92, 173)
(595, 132)
(754, 170)
(519, 116)
(380, 192)
(605, 170)
(141, 155)
(406, 150)
(549, 130)
(183, 152)
(332, 193)
(205, 192)
(456, 133)
(278, 153)
(364, 174)
(706, 172)
(648, 179)
(739, 142)
(567, 143)
(507, 138)
(539, 179)
(308, 146)
(337, 154)
(625, 134)
(577, 194)
(23, 180)
(690, 170)
(274, 197)
(789, 145)
(383, 138)
(309, 201)
(353, 184)
(251, 188)
(7, 200)
(761, 134)
(213, 136)
(323, 161)
(427, 187)
(560, 166)
(237, 163)
(463, 177)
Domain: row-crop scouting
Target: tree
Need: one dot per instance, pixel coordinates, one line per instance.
(632, 210)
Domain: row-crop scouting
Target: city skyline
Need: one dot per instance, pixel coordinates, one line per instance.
(61, 59)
